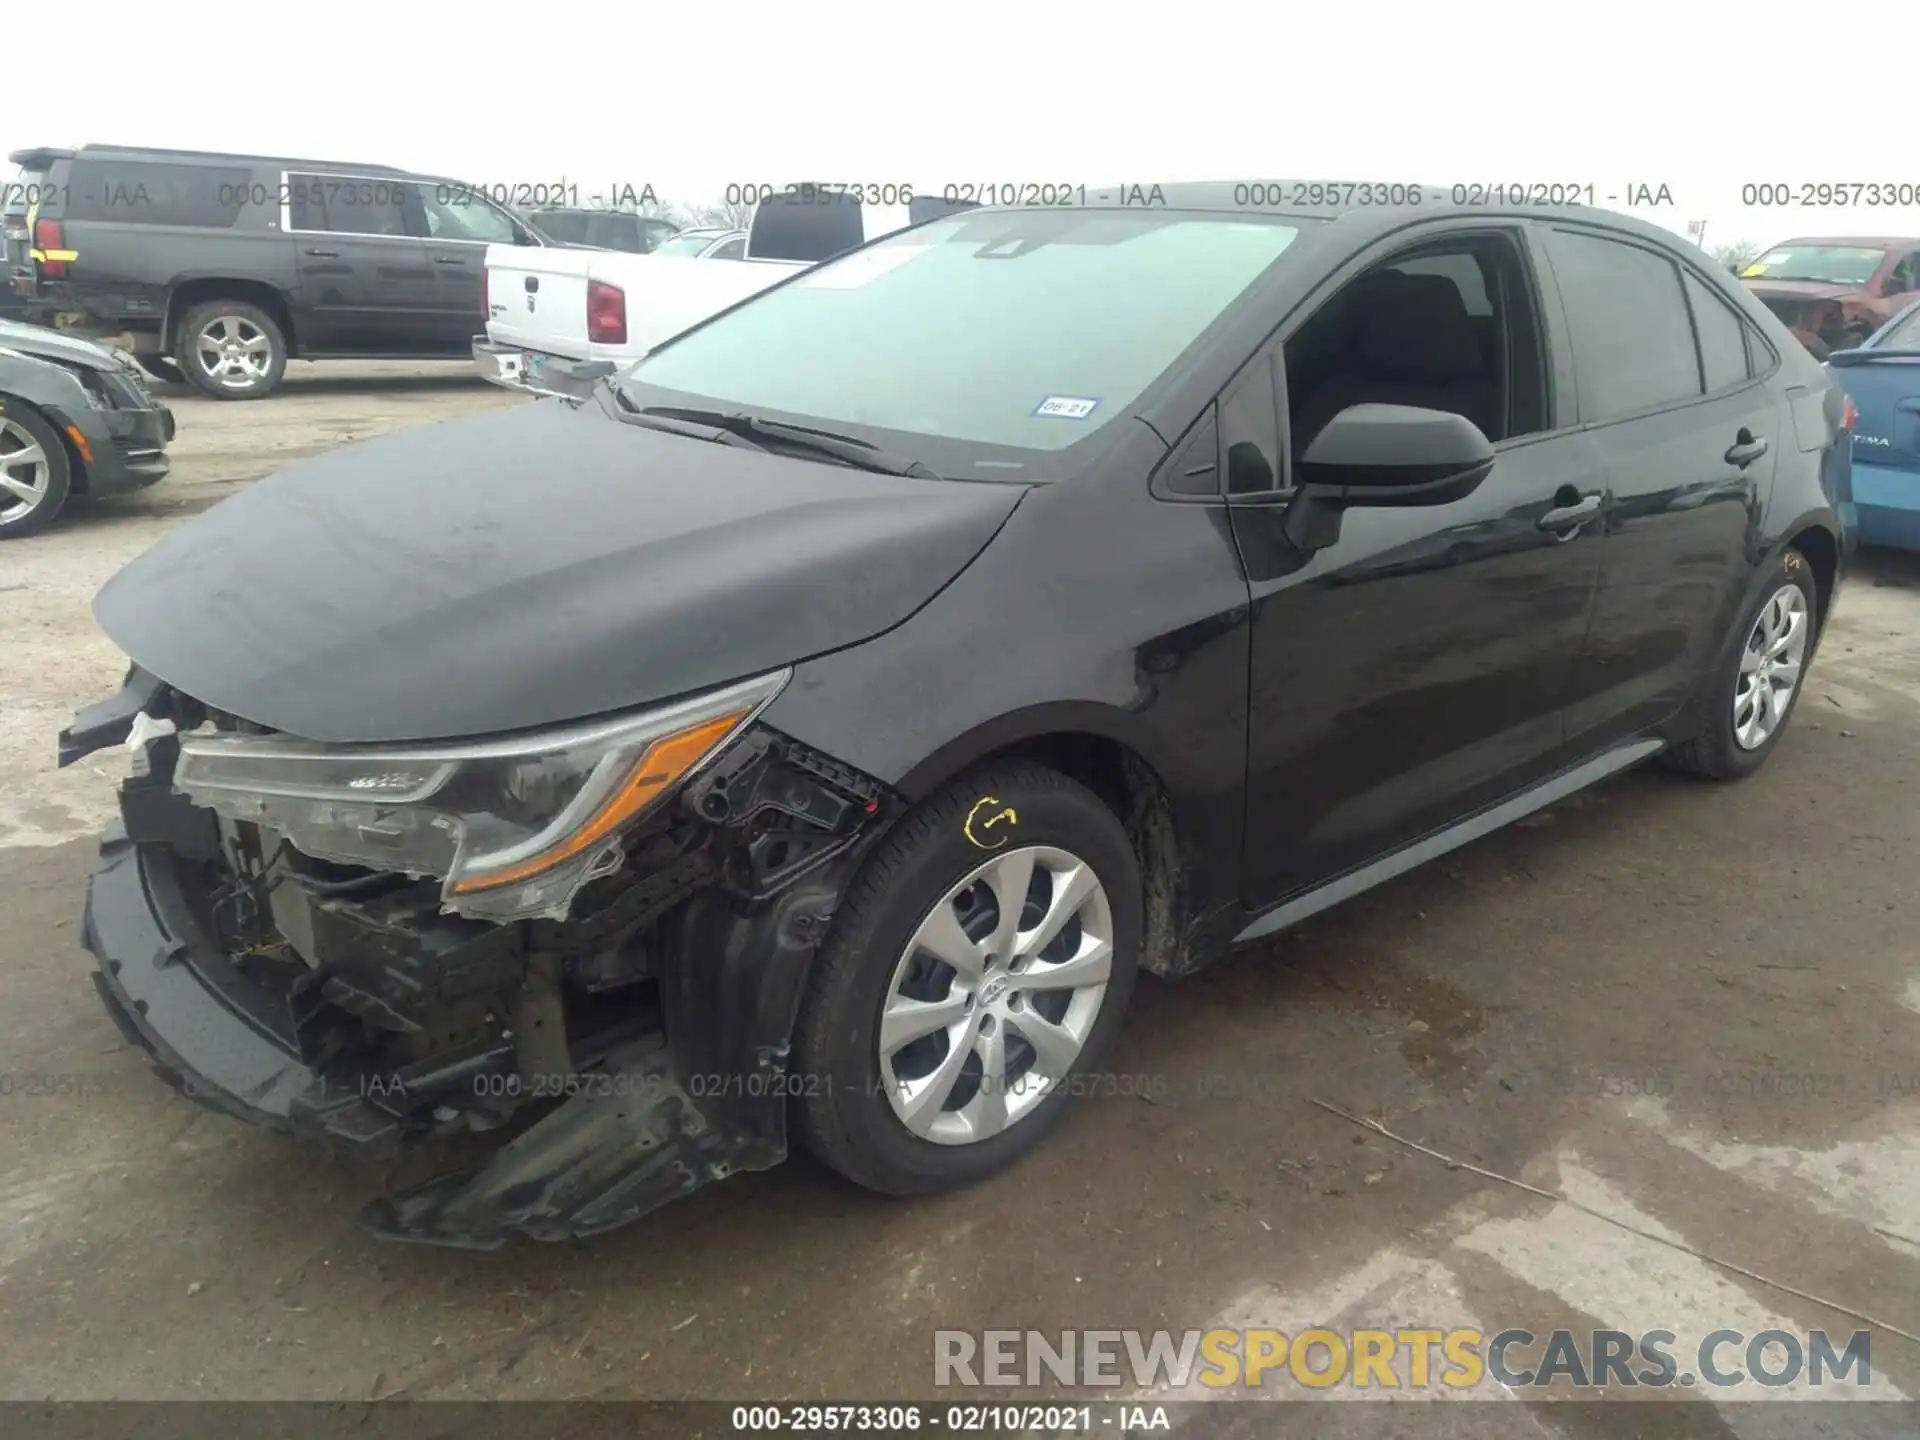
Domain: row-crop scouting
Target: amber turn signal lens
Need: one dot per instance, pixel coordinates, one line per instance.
(652, 775)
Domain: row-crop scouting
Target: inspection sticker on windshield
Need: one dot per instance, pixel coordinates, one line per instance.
(1066, 407)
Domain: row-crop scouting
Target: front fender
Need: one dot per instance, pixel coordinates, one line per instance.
(42, 384)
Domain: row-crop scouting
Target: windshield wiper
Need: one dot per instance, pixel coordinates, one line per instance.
(614, 401)
(844, 448)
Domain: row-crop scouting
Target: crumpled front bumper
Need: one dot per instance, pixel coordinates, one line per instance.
(207, 1032)
(627, 1141)
(647, 1123)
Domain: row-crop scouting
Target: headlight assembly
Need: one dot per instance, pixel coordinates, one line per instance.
(514, 827)
(99, 396)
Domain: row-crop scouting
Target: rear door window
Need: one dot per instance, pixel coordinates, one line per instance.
(347, 204)
(567, 226)
(142, 193)
(1632, 334)
(612, 230)
(443, 212)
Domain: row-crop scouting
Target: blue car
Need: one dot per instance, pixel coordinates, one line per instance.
(1882, 377)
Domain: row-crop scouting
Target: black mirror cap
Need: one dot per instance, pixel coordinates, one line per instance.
(1396, 455)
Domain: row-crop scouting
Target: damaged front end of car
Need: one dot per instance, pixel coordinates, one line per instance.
(597, 935)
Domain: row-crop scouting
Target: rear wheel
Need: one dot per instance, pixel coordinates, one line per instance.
(1752, 698)
(979, 966)
(35, 473)
(231, 350)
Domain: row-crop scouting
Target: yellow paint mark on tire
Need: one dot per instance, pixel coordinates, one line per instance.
(976, 827)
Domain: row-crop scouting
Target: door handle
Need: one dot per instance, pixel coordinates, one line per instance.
(1745, 449)
(325, 254)
(1570, 517)
(449, 260)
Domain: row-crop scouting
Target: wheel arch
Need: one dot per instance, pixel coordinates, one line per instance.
(1094, 745)
(1820, 548)
(198, 289)
(16, 398)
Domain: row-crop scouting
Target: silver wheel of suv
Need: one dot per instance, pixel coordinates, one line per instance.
(234, 352)
(26, 473)
(1770, 667)
(995, 995)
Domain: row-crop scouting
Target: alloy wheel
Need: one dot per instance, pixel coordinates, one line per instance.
(996, 995)
(26, 473)
(1770, 666)
(234, 352)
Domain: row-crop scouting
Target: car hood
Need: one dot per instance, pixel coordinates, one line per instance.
(528, 567)
(1800, 290)
(43, 344)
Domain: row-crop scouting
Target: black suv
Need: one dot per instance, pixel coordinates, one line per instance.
(218, 269)
(605, 229)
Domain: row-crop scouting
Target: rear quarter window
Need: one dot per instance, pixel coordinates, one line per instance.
(1723, 339)
(134, 193)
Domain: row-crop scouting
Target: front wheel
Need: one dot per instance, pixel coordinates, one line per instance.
(978, 968)
(1752, 697)
(231, 350)
(34, 471)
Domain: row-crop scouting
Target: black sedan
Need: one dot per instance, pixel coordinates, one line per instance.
(814, 732)
(75, 419)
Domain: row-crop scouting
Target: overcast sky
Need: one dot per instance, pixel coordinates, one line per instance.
(691, 98)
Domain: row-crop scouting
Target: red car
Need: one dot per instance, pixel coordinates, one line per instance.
(1833, 293)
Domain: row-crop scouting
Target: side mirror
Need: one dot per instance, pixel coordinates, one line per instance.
(1384, 455)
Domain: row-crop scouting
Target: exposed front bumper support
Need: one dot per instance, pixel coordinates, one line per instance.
(656, 1119)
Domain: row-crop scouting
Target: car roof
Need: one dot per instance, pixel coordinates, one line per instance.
(1863, 242)
(1360, 222)
(150, 154)
(593, 210)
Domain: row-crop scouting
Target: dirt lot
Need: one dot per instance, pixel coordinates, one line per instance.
(1694, 1008)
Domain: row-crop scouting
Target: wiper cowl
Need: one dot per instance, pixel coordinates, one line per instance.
(857, 453)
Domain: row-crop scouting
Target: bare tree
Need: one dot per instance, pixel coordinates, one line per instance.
(723, 215)
(1736, 255)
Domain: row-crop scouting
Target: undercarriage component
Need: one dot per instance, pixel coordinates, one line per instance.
(663, 1116)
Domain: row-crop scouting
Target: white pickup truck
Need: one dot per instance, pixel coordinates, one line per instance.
(549, 310)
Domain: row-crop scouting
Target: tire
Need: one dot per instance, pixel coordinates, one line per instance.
(162, 368)
(22, 427)
(847, 1109)
(260, 350)
(1723, 752)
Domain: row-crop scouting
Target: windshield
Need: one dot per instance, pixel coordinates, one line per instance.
(1030, 328)
(1831, 264)
(688, 242)
(1903, 334)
